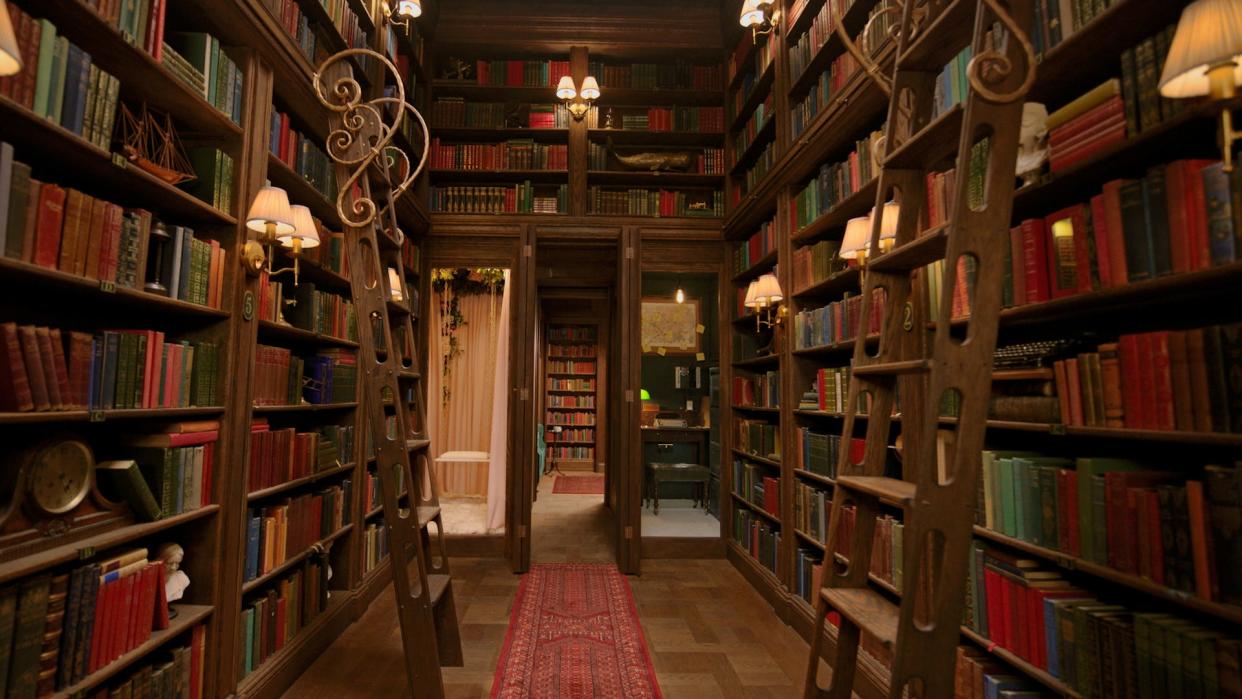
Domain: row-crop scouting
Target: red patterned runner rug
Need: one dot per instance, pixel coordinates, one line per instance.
(578, 485)
(574, 634)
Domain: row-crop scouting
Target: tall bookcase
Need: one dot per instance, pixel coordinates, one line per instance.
(572, 391)
(827, 111)
(274, 437)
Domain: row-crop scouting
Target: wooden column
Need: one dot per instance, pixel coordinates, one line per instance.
(578, 139)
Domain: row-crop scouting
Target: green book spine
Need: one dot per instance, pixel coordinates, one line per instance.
(28, 637)
(56, 88)
(124, 366)
(1088, 470)
(43, 68)
(1047, 478)
(1148, 74)
(1129, 91)
(213, 72)
(123, 480)
(139, 369)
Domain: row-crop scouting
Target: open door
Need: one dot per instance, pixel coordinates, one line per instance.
(522, 377)
(626, 473)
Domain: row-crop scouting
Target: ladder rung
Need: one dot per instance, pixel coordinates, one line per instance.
(923, 250)
(909, 366)
(892, 489)
(426, 513)
(417, 444)
(438, 584)
(933, 144)
(866, 609)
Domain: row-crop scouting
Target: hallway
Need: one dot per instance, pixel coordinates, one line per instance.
(709, 633)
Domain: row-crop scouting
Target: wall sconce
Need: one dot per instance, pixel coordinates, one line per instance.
(567, 93)
(759, 16)
(764, 295)
(405, 12)
(276, 222)
(856, 242)
(10, 54)
(1205, 58)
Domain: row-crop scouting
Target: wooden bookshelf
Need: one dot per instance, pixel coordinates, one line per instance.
(572, 353)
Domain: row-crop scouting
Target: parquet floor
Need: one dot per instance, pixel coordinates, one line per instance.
(709, 632)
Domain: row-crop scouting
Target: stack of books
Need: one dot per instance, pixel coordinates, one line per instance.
(1086, 126)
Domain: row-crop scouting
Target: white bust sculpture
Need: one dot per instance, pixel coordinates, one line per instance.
(175, 579)
(1033, 142)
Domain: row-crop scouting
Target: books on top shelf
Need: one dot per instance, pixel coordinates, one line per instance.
(45, 369)
(198, 60)
(647, 202)
(752, 56)
(518, 73)
(456, 111)
(60, 82)
(276, 533)
(65, 626)
(822, 92)
(521, 198)
(823, 26)
(274, 618)
(678, 118)
(678, 75)
(288, 15)
(514, 154)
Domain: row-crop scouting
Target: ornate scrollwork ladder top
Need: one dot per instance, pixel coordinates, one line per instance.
(364, 134)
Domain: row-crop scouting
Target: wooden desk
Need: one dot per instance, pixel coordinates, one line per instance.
(698, 436)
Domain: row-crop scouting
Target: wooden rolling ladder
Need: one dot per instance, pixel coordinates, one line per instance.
(360, 145)
(940, 459)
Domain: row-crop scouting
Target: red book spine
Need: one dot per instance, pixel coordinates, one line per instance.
(1070, 158)
(1196, 209)
(1116, 249)
(995, 606)
(1035, 257)
(50, 220)
(1079, 125)
(1099, 230)
(1200, 541)
(1154, 541)
(1162, 379)
(1179, 223)
(1131, 381)
(1074, 384)
(16, 396)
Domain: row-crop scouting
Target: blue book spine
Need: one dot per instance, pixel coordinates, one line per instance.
(96, 395)
(252, 548)
(1051, 638)
(69, 107)
(84, 72)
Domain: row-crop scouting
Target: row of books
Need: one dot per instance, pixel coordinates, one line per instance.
(570, 419)
(586, 368)
(757, 537)
(759, 245)
(756, 173)
(881, 20)
(977, 674)
(276, 533)
(571, 453)
(758, 438)
(818, 452)
(178, 674)
(1098, 648)
(661, 119)
(570, 384)
(678, 75)
(45, 368)
(59, 82)
(520, 198)
(411, 255)
(836, 322)
(372, 495)
(571, 334)
(822, 92)
(829, 391)
(514, 154)
(519, 73)
(1086, 126)
(749, 131)
(575, 435)
(374, 546)
(564, 401)
(306, 308)
(213, 169)
(279, 456)
(702, 160)
(752, 485)
(837, 181)
(331, 376)
(59, 628)
(456, 111)
(571, 350)
(1172, 526)
(346, 22)
(1177, 218)
(198, 60)
(742, 95)
(1168, 380)
(172, 472)
(302, 155)
(816, 262)
(758, 390)
(648, 202)
(269, 622)
(752, 56)
(812, 507)
(140, 23)
(288, 14)
(951, 86)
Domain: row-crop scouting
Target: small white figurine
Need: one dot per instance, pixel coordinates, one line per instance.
(175, 579)
(1033, 142)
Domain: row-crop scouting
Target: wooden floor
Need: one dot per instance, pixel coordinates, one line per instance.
(709, 632)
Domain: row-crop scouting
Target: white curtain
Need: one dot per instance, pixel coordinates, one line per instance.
(500, 419)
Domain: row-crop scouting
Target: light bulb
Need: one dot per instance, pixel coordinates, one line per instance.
(411, 9)
(681, 296)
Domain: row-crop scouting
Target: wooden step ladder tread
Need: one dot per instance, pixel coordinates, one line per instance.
(922, 251)
(891, 489)
(934, 144)
(867, 609)
(908, 366)
(427, 513)
(438, 585)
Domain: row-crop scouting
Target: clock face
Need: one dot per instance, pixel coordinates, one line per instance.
(60, 477)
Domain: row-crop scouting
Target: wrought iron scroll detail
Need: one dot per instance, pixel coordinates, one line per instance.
(366, 131)
(991, 66)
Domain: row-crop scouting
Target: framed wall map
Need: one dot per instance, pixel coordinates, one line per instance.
(670, 326)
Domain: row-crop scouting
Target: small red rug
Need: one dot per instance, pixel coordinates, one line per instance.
(579, 485)
(574, 634)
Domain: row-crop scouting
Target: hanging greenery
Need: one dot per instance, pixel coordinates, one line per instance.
(449, 285)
